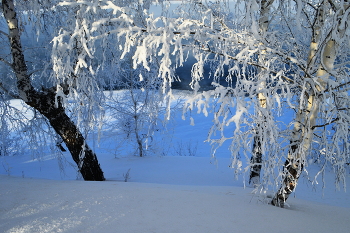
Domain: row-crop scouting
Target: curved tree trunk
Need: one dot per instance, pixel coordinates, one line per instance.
(83, 156)
(48, 104)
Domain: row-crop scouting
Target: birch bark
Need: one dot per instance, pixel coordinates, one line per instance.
(256, 159)
(306, 117)
(48, 104)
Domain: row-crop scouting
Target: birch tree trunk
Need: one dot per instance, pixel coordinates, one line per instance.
(256, 159)
(48, 104)
(303, 130)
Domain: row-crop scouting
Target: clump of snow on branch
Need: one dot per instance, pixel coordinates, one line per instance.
(228, 37)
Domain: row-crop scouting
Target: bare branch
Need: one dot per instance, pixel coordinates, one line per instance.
(4, 33)
(6, 62)
(8, 92)
(337, 87)
(319, 126)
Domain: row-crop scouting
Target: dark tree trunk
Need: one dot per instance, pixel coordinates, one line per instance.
(291, 172)
(256, 159)
(83, 156)
(48, 104)
(256, 162)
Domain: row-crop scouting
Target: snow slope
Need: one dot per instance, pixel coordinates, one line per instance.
(163, 194)
(194, 194)
(38, 205)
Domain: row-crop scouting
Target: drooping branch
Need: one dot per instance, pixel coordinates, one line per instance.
(289, 80)
(48, 103)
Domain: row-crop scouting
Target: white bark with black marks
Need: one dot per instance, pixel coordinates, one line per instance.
(257, 151)
(48, 104)
(303, 131)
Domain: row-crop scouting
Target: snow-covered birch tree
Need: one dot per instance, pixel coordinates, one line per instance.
(300, 63)
(48, 101)
(321, 84)
(278, 58)
(256, 160)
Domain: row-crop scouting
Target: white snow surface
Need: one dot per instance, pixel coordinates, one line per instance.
(38, 205)
(184, 194)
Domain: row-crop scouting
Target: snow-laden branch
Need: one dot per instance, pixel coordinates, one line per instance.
(285, 61)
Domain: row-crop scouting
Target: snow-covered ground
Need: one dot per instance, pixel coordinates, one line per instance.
(171, 193)
(36, 205)
(163, 194)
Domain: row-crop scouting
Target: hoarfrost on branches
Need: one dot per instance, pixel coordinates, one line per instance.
(283, 61)
(269, 58)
